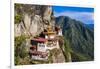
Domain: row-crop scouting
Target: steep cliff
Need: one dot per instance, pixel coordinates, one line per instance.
(32, 19)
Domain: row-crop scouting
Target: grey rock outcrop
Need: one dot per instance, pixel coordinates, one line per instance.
(35, 19)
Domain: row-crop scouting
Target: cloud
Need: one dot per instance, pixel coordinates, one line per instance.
(85, 17)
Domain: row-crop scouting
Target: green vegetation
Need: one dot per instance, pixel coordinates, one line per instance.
(18, 18)
(21, 54)
(78, 57)
(18, 6)
(67, 51)
(19, 14)
(71, 55)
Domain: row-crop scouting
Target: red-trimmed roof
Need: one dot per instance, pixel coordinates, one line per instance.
(39, 39)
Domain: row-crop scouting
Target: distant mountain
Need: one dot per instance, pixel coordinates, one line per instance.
(91, 26)
(80, 37)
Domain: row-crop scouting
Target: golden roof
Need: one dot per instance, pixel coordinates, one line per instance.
(49, 30)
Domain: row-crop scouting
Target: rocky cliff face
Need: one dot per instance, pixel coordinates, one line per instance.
(32, 19)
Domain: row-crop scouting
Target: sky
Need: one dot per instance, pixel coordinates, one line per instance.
(85, 15)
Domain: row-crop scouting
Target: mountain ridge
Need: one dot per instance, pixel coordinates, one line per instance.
(81, 37)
